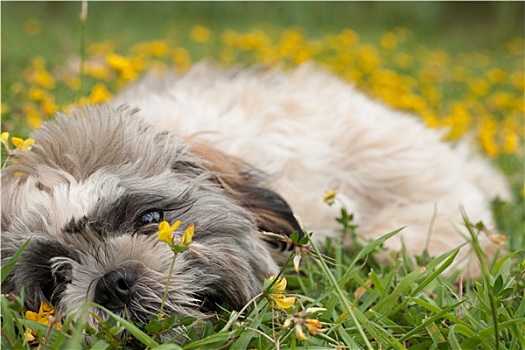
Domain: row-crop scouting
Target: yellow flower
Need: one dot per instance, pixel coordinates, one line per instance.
(282, 301)
(299, 319)
(479, 87)
(19, 143)
(498, 239)
(32, 27)
(44, 316)
(403, 60)
(200, 34)
(4, 108)
(188, 235)
(165, 233)
(5, 139)
(276, 295)
(389, 41)
(296, 262)
(37, 94)
(99, 94)
(44, 79)
(158, 48)
(49, 106)
(329, 197)
(118, 62)
(299, 334)
(314, 326)
(181, 58)
(279, 286)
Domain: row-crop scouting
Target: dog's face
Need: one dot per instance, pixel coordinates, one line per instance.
(91, 194)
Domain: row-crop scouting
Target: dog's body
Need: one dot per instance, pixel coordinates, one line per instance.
(234, 152)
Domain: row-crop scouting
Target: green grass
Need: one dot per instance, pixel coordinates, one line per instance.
(368, 304)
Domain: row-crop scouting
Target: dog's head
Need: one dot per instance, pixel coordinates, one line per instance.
(91, 194)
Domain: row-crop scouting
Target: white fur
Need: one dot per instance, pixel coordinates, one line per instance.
(312, 132)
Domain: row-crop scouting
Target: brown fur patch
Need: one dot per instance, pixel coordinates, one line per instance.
(246, 184)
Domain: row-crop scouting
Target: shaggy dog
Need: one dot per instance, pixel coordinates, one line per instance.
(236, 153)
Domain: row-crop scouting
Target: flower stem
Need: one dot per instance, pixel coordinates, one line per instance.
(167, 283)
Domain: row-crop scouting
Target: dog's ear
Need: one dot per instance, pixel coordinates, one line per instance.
(246, 185)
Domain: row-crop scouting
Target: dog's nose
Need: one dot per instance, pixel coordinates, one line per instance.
(115, 288)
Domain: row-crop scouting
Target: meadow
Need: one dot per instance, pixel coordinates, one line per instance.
(463, 76)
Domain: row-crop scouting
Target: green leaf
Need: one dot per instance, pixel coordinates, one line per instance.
(131, 328)
(8, 266)
(498, 283)
(434, 318)
(100, 345)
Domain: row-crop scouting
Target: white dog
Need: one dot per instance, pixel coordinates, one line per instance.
(235, 152)
(311, 132)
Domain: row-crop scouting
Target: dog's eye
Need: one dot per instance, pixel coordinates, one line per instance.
(151, 217)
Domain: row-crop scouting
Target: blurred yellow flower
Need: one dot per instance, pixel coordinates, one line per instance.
(37, 94)
(99, 70)
(329, 197)
(44, 79)
(49, 106)
(118, 62)
(479, 87)
(181, 58)
(496, 75)
(5, 141)
(348, 37)
(388, 41)
(403, 60)
(4, 108)
(99, 94)
(498, 239)
(200, 34)
(32, 27)
(33, 117)
(101, 48)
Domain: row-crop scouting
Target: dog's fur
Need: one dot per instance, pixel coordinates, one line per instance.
(235, 152)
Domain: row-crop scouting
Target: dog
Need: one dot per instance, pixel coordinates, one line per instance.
(236, 152)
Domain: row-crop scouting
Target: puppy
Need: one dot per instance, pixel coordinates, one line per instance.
(236, 153)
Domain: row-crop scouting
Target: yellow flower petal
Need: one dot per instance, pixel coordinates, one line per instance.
(165, 233)
(498, 239)
(32, 316)
(46, 309)
(284, 303)
(299, 334)
(29, 335)
(187, 237)
(314, 326)
(296, 262)
(329, 197)
(19, 143)
(5, 138)
(280, 285)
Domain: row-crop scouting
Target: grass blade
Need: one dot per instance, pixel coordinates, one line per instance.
(8, 266)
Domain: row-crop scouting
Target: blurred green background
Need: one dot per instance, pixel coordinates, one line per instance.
(447, 25)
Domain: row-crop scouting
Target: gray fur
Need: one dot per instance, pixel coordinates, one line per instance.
(130, 169)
